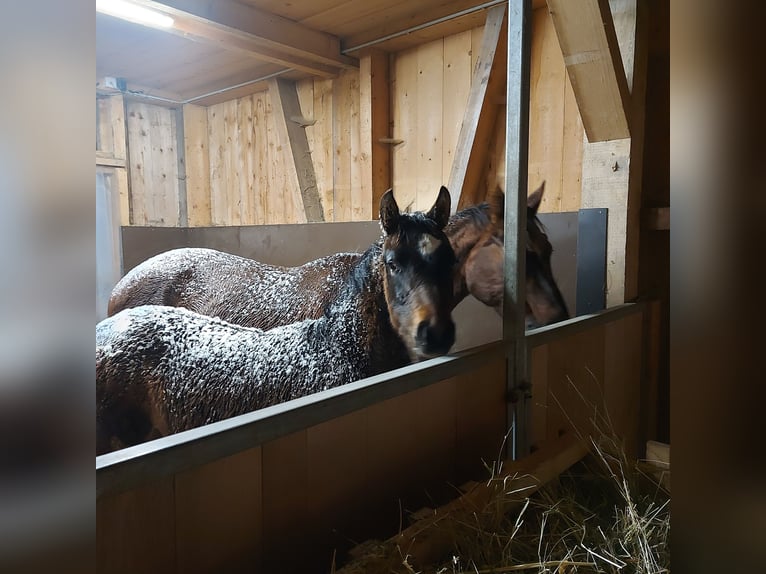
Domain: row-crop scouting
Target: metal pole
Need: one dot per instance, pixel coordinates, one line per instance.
(516, 159)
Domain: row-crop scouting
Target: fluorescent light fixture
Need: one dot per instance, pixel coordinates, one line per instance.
(127, 10)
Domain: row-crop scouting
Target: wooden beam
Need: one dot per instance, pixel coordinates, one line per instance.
(588, 41)
(257, 33)
(481, 111)
(374, 112)
(612, 170)
(284, 102)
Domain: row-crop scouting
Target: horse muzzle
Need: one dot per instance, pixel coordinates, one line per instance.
(435, 339)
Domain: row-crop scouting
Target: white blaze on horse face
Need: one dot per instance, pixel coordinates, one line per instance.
(428, 244)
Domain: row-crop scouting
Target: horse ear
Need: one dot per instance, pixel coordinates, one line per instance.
(496, 201)
(534, 199)
(440, 210)
(389, 212)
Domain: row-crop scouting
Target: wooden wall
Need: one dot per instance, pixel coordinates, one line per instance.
(591, 376)
(430, 86)
(283, 506)
(226, 164)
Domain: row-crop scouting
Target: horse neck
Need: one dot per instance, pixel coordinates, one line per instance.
(359, 319)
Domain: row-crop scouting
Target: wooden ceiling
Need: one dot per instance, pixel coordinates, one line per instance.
(215, 45)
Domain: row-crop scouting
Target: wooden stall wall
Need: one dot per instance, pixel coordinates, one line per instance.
(430, 89)
(228, 164)
(283, 506)
(429, 92)
(153, 165)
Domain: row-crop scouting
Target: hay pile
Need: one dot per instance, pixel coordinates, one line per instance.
(606, 514)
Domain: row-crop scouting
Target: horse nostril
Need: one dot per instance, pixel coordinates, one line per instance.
(436, 338)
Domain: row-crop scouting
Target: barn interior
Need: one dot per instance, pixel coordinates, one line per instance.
(271, 129)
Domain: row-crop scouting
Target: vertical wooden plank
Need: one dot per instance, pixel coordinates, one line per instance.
(219, 515)
(571, 161)
(345, 88)
(337, 471)
(652, 334)
(246, 191)
(162, 184)
(360, 202)
(546, 114)
(605, 176)
(323, 154)
(611, 170)
(622, 380)
(116, 115)
(575, 382)
(285, 489)
(215, 125)
(261, 159)
(275, 201)
(374, 119)
(539, 404)
(231, 163)
(430, 85)
(480, 419)
(135, 530)
(405, 110)
(197, 165)
(180, 145)
(121, 179)
(401, 437)
(456, 87)
(140, 157)
(104, 129)
(632, 29)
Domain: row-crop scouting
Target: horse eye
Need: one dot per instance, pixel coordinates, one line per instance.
(392, 266)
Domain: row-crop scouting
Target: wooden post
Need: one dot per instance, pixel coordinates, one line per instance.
(588, 42)
(611, 170)
(284, 100)
(374, 112)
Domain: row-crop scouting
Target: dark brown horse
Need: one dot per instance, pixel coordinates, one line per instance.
(162, 370)
(483, 269)
(254, 294)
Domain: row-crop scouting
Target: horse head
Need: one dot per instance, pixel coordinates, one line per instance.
(484, 268)
(417, 263)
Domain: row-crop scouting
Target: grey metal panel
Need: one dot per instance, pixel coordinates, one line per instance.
(141, 243)
(274, 244)
(591, 258)
(562, 229)
(296, 244)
